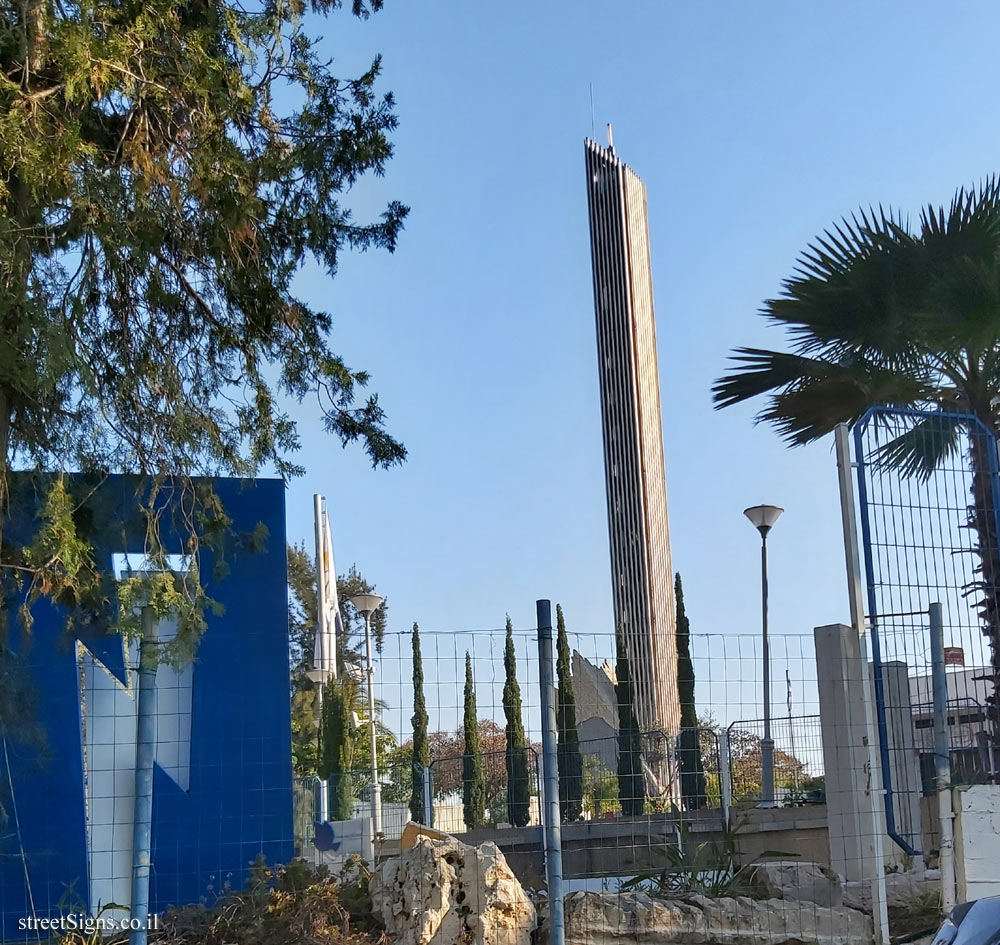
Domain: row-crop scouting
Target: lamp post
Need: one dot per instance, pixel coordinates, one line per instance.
(763, 518)
(366, 605)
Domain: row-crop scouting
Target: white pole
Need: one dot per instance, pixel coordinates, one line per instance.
(725, 782)
(766, 743)
(791, 731)
(855, 589)
(942, 760)
(376, 787)
(329, 575)
(321, 655)
(145, 752)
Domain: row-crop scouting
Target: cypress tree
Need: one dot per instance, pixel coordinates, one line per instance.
(421, 748)
(631, 785)
(473, 778)
(337, 747)
(689, 744)
(518, 792)
(570, 759)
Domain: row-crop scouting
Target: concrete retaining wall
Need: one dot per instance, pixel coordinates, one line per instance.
(625, 846)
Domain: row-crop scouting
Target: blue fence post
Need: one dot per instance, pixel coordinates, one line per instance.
(145, 751)
(550, 775)
(878, 684)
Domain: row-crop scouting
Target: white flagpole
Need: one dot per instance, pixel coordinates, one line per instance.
(331, 601)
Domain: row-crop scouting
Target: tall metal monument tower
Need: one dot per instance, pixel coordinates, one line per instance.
(641, 569)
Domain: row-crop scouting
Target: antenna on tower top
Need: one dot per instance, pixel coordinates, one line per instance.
(611, 138)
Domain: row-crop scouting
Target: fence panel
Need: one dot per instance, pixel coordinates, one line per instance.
(929, 535)
(643, 807)
(798, 760)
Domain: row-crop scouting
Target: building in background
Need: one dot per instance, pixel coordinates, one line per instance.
(641, 569)
(968, 725)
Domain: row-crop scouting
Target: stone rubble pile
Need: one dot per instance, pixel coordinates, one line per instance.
(800, 881)
(444, 892)
(901, 889)
(639, 919)
(441, 891)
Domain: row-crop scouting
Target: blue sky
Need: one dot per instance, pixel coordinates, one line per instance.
(754, 127)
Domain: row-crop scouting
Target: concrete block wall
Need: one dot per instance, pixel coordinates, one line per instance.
(977, 841)
(852, 823)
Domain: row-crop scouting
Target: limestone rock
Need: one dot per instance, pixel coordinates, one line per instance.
(444, 892)
(638, 919)
(799, 881)
(901, 889)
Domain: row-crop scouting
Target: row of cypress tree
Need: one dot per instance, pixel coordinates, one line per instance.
(516, 754)
(517, 751)
(631, 782)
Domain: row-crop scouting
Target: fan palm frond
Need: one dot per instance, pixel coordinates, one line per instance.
(959, 250)
(854, 291)
(810, 396)
(919, 450)
(877, 312)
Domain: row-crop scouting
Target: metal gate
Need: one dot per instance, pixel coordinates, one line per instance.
(929, 497)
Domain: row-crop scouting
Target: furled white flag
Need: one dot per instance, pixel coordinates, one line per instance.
(328, 624)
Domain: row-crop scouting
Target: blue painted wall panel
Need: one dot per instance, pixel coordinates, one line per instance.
(239, 802)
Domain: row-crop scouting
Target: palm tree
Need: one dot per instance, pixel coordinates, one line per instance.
(879, 312)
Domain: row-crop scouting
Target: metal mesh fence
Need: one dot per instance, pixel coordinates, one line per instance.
(672, 814)
(657, 823)
(929, 537)
(798, 760)
(700, 773)
(728, 670)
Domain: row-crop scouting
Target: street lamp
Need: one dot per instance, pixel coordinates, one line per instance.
(763, 518)
(366, 605)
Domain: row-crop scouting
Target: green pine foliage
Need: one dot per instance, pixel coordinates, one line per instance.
(350, 649)
(301, 634)
(301, 637)
(631, 784)
(473, 777)
(168, 168)
(336, 751)
(518, 785)
(421, 757)
(693, 792)
(570, 759)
